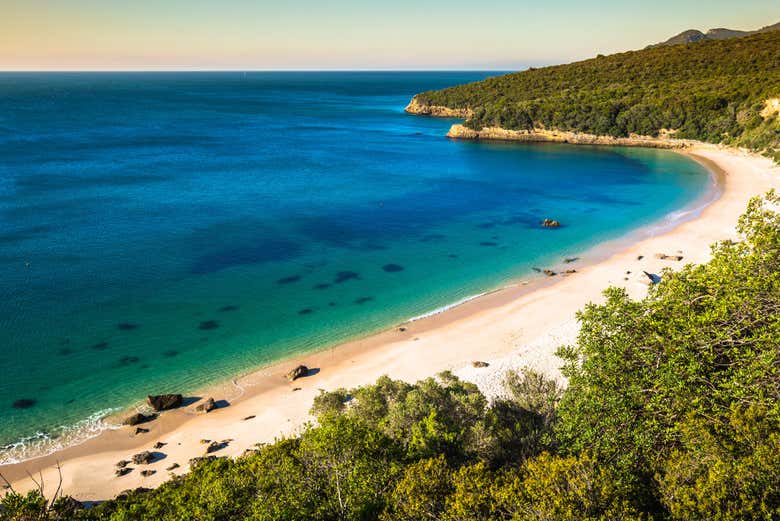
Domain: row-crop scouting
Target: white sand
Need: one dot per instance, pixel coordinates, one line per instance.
(511, 328)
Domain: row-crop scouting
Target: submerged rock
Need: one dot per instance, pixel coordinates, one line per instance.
(297, 372)
(289, 280)
(344, 276)
(126, 326)
(163, 402)
(24, 403)
(550, 223)
(207, 325)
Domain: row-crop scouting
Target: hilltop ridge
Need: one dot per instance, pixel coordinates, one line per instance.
(720, 33)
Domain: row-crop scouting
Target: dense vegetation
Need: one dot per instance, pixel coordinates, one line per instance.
(672, 411)
(712, 91)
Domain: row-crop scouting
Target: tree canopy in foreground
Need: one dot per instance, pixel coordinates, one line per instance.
(672, 411)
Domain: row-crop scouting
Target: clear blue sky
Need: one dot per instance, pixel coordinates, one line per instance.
(347, 34)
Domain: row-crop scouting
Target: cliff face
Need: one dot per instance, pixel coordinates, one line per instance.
(556, 136)
(415, 107)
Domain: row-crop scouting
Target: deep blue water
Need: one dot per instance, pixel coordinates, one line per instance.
(162, 231)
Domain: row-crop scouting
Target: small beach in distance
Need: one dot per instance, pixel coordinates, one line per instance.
(520, 325)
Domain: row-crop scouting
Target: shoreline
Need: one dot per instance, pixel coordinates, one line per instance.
(111, 419)
(538, 135)
(489, 327)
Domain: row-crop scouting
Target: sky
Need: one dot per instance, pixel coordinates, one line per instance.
(346, 34)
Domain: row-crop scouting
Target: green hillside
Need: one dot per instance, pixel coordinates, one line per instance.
(712, 91)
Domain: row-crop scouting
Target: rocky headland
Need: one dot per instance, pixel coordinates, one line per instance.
(459, 131)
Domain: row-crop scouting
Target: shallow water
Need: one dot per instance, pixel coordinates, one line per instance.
(159, 232)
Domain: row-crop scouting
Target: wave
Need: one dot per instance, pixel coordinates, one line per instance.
(447, 307)
(43, 443)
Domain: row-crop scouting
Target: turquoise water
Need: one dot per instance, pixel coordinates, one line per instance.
(159, 232)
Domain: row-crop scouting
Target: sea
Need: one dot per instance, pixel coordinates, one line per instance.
(160, 232)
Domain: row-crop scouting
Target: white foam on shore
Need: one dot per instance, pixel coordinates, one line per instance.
(447, 307)
(64, 436)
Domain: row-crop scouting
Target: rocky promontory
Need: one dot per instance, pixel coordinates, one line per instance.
(557, 136)
(438, 111)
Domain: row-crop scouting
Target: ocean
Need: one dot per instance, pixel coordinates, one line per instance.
(164, 231)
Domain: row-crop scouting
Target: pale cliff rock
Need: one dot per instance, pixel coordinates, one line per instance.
(556, 136)
(771, 108)
(415, 107)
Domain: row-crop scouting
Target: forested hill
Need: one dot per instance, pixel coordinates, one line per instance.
(715, 91)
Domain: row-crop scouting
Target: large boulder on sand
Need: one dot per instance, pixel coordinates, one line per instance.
(298, 372)
(143, 458)
(137, 418)
(207, 406)
(163, 402)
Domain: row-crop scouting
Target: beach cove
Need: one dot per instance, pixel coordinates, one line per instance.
(518, 326)
(165, 232)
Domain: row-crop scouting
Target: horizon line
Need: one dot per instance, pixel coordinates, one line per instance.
(266, 70)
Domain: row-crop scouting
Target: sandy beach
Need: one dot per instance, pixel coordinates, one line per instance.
(521, 325)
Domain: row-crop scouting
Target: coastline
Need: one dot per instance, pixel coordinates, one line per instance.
(459, 131)
(510, 327)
